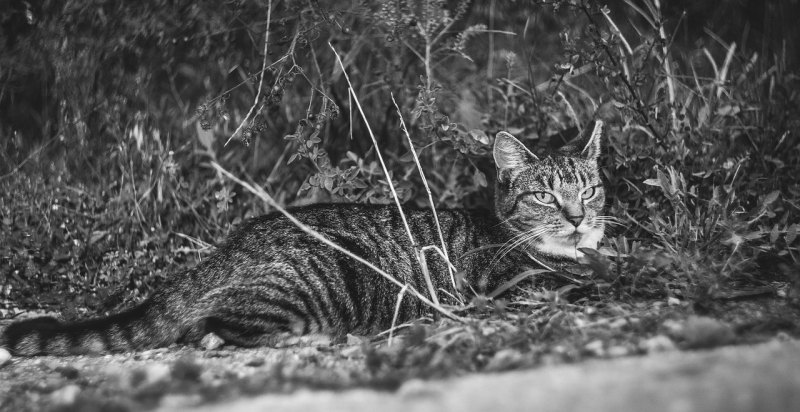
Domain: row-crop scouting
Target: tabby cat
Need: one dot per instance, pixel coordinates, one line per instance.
(272, 279)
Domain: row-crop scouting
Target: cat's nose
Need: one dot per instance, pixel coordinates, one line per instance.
(575, 220)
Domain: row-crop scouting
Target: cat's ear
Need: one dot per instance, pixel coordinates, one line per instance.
(592, 149)
(510, 153)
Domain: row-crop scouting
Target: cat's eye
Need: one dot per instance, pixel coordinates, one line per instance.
(588, 193)
(544, 197)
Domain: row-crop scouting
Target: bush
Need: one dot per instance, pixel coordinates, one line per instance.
(113, 113)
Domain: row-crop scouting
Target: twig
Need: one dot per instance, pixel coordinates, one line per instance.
(441, 253)
(618, 32)
(639, 104)
(519, 278)
(261, 80)
(396, 313)
(443, 250)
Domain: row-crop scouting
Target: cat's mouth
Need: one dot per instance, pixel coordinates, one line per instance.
(573, 234)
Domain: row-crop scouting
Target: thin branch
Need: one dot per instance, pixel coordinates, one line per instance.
(639, 104)
(618, 32)
(261, 80)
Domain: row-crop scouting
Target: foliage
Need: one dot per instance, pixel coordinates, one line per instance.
(112, 113)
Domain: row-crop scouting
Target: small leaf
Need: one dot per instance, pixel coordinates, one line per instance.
(791, 234)
(97, 235)
(206, 138)
(664, 182)
(773, 234)
(597, 262)
(771, 197)
(753, 235)
(651, 182)
(702, 115)
(729, 110)
(479, 135)
(407, 157)
(480, 178)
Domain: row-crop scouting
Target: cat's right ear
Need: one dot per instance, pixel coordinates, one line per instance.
(510, 153)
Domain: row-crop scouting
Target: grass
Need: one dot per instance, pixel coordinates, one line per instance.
(700, 167)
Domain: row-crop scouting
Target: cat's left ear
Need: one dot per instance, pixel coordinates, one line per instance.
(592, 149)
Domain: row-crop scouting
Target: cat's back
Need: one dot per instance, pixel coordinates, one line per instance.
(371, 223)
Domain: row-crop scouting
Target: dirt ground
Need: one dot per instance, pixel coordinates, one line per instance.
(754, 368)
(764, 378)
(173, 376)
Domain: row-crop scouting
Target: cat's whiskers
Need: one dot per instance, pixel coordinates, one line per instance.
(608, 220)
(511, 243)
(518, 240)
(533, 232)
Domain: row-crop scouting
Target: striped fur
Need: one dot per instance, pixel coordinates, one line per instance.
(270, 279)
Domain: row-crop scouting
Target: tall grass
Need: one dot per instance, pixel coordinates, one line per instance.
(700, 164)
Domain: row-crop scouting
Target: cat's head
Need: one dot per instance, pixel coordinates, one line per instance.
(553, 205)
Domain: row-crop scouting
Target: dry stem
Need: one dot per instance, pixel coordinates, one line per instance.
(386, 173)
(443, 250)
(263, 195)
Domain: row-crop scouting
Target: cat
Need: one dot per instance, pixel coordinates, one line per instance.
(271, 279)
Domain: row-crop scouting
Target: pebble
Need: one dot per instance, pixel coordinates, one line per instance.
(618, 351)
(352, 351)
(504, 359)
(595, 347)
(65, 395)
(658, 343)
(211, 342)
(151, 374)
(5, 356)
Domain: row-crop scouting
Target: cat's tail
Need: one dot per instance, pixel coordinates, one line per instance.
(148, 325)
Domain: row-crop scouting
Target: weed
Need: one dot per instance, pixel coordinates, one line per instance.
(116, 169)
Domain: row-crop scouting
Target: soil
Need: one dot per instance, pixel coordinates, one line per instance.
(760, 378)
(675, 371)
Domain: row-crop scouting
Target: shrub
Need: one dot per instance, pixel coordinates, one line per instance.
(130, 108)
